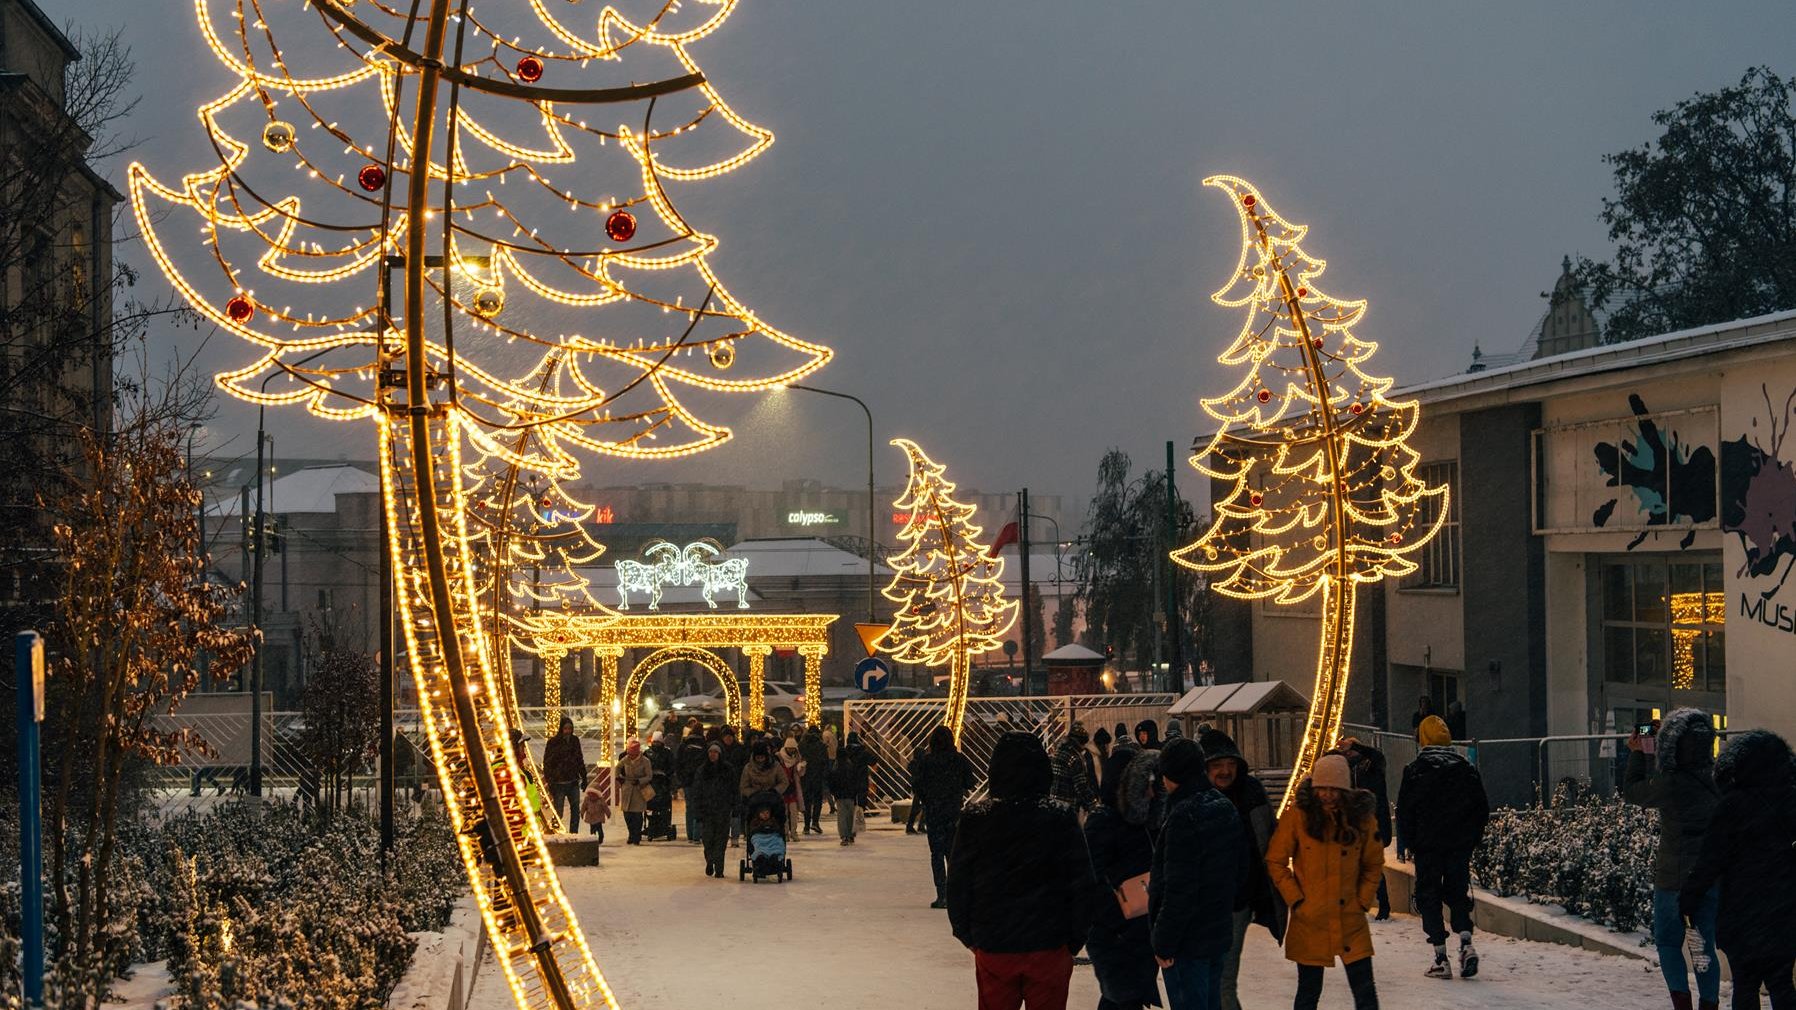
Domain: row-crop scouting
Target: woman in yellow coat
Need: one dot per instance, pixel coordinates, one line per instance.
(1326, 860)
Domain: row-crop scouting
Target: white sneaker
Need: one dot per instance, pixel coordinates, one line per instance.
(1468, 960)
(1441, 968)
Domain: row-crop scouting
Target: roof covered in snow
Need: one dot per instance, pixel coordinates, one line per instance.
(314, 489)
(800, 558)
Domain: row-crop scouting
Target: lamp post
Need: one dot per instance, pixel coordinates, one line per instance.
(872, 539)
(260, 547)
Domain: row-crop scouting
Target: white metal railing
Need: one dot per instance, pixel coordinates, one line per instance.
(895, 730)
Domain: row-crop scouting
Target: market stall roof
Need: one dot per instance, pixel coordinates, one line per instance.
(1073, 654)
(1240, 699)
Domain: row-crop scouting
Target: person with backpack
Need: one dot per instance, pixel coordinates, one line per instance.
(1200, 862)
(1441, 814)
(1672, 771)
(1750, 850)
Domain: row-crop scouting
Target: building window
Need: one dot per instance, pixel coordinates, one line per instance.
(1664, 625)
(1439, 558)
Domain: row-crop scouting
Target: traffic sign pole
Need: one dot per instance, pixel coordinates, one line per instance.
(28, 671)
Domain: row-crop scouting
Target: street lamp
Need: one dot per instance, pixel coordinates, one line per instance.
(255, 683)
(872, 539)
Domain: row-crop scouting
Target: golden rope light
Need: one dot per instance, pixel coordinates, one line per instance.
(1322, 494)
(542, 325)
(947, 590)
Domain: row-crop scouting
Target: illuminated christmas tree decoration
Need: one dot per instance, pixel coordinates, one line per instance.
(947, 588)
(1321, 491)
(415, 250)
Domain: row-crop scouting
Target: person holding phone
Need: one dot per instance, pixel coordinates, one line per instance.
(1673, 772)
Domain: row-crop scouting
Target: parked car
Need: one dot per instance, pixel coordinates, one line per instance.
(784, 700)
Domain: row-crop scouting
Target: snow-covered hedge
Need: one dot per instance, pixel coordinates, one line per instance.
(1593, 856)
(261, 904)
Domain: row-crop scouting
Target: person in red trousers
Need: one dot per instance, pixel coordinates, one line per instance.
(1021, 891)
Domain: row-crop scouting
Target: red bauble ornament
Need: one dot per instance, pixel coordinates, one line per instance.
(240, 309)
(1265, 395)
(530, 69)
(1248, 200)
(1255, 498)
(1303, 292)
(620, 226)
(1316, 342)
(372, 178)
(1396, 538)
(1357, 409)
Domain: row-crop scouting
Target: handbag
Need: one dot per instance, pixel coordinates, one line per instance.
(1132, 896)
(648, 793)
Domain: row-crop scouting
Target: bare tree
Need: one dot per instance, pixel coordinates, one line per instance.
(342, 717)
(134, 618)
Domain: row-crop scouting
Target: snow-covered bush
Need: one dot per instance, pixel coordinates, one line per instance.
(1593, 856)
(261, 904)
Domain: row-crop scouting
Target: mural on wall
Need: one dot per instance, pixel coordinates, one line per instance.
(1758, 497)
(1671, 482)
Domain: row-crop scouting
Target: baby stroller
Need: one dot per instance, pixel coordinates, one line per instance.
(764, 825)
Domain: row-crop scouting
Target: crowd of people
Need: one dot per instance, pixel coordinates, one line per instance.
(1157, 857)
(716, 774)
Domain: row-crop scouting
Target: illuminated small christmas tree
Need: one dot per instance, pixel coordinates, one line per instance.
(1322, 494)
(946, 588)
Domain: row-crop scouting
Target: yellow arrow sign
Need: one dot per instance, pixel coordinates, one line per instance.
(871, 634)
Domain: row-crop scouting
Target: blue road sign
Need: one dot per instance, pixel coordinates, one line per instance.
(872, 675)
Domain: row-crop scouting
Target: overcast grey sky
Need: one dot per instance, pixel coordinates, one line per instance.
(992, 210)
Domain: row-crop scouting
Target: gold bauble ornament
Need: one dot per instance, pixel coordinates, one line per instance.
(277, 136)
(723, 354)
(488, 302)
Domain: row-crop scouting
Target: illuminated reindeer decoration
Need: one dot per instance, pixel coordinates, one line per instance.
(676, 566)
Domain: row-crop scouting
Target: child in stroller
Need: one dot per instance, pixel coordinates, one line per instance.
(765, 829)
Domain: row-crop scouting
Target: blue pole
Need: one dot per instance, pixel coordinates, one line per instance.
(28, 670)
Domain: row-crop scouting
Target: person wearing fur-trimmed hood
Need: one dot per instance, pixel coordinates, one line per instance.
(1673, 772)
(1751, 850)
(1326, 861)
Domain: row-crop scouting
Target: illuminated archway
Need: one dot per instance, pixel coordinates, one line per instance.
(732, 694)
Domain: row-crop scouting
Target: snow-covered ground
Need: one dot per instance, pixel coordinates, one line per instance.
(854, 929)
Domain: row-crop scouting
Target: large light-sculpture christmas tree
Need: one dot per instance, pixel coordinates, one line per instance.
(1321, 492)
(947, 590)
(452, 223)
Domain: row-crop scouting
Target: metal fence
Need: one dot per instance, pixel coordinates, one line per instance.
(1521, 771)
(895, 730)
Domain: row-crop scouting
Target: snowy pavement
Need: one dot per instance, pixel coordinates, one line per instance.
(853, 929)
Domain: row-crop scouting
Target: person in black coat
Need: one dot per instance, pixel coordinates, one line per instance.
(1368, 766)
(1119, 834)
(1750, 849)
(1020, 887)
(941, 782)
(687, 761)
(1257, 901)
(735, 754)
(1147, 734)
(1200, 862)
(1441, 813)
(848, 782)
(564, 770)
(713, 795)
(816, 769)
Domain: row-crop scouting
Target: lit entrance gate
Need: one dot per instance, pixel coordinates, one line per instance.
(896, 730)
(680, 637)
